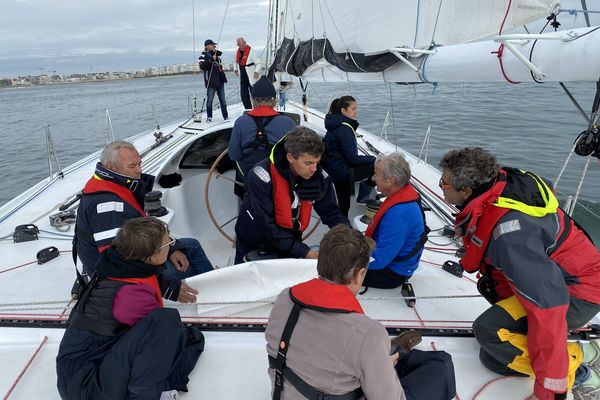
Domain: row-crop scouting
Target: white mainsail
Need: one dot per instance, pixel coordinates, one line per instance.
(429, 41)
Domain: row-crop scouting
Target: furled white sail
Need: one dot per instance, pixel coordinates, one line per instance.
(369, 27)
(417, 41)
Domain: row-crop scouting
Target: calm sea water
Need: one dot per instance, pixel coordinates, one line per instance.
(527, 126)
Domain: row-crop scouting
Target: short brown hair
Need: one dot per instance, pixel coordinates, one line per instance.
(301, 140)
(140, 238)
(341, 252)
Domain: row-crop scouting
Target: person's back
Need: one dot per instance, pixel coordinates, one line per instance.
(336, 352)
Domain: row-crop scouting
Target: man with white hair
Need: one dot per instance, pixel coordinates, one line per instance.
(114, 194)
(246, 67)
(398, 227)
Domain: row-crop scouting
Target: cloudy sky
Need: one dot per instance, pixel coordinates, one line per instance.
(43, 36)
(111, 35)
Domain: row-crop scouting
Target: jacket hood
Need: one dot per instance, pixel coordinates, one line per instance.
(332, 121)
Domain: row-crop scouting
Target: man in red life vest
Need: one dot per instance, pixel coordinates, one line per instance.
(114, 194)
(538, 268)
(246, 67)
(398, 227)
(281, 191)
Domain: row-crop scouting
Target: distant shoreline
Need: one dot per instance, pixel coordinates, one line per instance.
(54, 83)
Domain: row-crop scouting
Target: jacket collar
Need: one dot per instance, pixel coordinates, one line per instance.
(322, 295)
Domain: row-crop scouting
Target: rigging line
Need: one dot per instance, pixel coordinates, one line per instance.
(584, 207)
(393, 117)
(16, 382)
(417, 24)
(194, 49)
(322, 20)
(564, 167)
(437, 18)
(335, 26)
(585, 168)
(500, 51)
(531, 53)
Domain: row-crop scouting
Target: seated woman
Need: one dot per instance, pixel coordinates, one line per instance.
(121, 342)
(398, 227)
(343, 163)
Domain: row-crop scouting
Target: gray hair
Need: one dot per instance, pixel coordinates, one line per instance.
(110, 153)
(261, 101)
(470, 167)
(395, 166)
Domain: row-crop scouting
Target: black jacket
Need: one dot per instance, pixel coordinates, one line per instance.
(256, 227)
(341, 151)
(214, 76)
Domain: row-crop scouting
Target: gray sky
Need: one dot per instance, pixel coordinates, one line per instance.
(111, 35)
(121, 35)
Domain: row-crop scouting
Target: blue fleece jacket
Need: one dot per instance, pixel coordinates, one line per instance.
(396, 236)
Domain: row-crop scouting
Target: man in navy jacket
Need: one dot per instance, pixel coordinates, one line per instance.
(281, 192)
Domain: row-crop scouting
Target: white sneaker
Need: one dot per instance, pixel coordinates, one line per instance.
(169, 395)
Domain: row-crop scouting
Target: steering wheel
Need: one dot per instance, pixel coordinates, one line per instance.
(213, 171)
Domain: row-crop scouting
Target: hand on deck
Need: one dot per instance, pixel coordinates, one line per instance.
(187, 294)
(312, 254)
(394, 358)
(179, 260)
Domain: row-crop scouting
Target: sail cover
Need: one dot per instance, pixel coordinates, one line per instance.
(356, 36)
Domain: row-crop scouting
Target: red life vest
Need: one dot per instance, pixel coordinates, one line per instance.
(95, 185)
(326, 296)
(98, 185)
(242, 61)
(404, 195)
(573, 251)
(151, 281)
(282, 201)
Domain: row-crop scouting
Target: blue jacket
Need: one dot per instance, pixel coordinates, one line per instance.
(243, 136)
(396, 235)
(256, 227)
(341, 150)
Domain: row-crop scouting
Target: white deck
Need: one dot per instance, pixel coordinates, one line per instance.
(234, 364)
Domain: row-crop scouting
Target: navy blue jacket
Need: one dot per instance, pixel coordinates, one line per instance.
(256, 227)
(243, 136)
(213, 72)
(341, 150)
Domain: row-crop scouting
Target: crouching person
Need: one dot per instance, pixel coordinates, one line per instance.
(321, 345)
(121, 342)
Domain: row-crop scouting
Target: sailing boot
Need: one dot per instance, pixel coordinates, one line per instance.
(407, 291)
(587, 383)
(364, 193)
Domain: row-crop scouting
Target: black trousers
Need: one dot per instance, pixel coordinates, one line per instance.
(157, 354)
(245, 88)
(427, 375)
(344, 190)
(383, 279)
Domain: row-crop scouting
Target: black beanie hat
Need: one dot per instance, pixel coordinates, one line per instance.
(263, 89)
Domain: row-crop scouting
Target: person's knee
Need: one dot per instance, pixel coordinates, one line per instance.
(484, 329)
(164, 318)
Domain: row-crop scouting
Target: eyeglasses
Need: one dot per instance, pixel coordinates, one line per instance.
(170, 243)
(443, 184)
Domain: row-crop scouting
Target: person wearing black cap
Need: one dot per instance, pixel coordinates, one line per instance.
(257, 131)
(214, 78)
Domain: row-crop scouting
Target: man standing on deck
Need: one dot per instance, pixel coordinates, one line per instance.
(539, 270)
(214, 78)
(246, 67)
(115, 194)
(281, 192)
